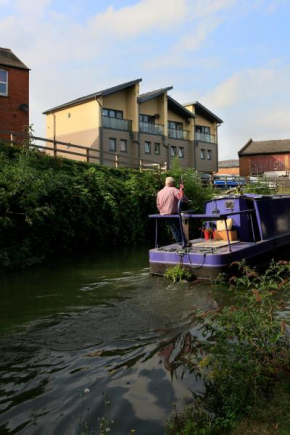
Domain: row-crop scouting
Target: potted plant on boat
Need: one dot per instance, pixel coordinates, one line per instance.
(208, 230)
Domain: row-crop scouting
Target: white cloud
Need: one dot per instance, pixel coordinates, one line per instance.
(143, 17)
(242, 87)
(201, 8)
(193, 40)
(69, 59)
(253, 104)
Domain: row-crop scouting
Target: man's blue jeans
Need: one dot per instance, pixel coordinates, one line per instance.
(175, 229)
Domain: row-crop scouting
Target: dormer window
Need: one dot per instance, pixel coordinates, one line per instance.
(3, 82)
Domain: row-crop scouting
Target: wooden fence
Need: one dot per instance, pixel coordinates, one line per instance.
(54, 148)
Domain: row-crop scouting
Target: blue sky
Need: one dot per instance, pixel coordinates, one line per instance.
(231, 55)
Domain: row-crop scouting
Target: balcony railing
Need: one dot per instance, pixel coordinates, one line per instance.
(204, 137)
(117, 124)
(178, 134)
(146, 127)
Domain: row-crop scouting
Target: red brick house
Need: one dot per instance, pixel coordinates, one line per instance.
(14, 93)
(264, 156)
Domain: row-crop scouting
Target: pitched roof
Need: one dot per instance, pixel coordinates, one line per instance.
(153, 94)
(265, 147)
(203, 111)
(176, 107)
(8, 58)
(89, 97)
(229, 163)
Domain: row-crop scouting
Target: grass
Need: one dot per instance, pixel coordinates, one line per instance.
(270, 417)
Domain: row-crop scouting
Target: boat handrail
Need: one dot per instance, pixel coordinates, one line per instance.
(212, 217)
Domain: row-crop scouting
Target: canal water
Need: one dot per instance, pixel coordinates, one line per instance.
(99, 323)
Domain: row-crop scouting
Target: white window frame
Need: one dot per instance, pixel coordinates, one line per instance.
(5, 83)
(123, 141)
(173, 151)
(147, 147)
(157, 148)
(115, 144)
(181, 152)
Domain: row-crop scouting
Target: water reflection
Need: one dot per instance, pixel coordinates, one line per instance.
(93, 326)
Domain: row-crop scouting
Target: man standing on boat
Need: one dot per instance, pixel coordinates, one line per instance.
(167, 203)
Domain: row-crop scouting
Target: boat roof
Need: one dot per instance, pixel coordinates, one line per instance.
(248, 195)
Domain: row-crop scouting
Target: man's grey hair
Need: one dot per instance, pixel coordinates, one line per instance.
(169, 181)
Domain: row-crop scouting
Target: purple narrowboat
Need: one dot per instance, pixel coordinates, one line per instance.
(249, 226)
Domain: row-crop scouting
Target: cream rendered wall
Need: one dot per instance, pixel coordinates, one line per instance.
(162, 111)
(177, 118)
(132, 95)
(71, 119)
(116, 101)
(149, 107)
(199, 120)
(191, 108)
(126, 101)
(156, 106)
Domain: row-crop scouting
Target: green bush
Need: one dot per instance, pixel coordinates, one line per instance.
(53, 205)
(49, 206)
(246, 351)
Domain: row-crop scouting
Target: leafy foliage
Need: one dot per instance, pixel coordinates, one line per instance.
(51, 205)
(246, 350)
(178, 273)
(194, 190)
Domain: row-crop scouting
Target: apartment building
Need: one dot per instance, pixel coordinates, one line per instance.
(120, 124)
(14, 93)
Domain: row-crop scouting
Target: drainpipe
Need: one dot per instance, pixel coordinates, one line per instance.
(194, 146)
(54, 135)
(217, 148)
(138, 142)
(101, 147)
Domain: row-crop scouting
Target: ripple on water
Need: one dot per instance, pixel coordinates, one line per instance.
(119, 336)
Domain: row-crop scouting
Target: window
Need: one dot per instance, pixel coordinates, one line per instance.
(113, 113)
(147, 119)
(175, 125)
(123, 146)
(157, 148)
(147, 147)
(173, 151)
(202, 152)
(202, 129)
(3, 82)
(112, 144)
(209, 154)
(181, 152)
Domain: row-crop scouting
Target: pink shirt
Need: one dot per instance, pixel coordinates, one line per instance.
(167, 200)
